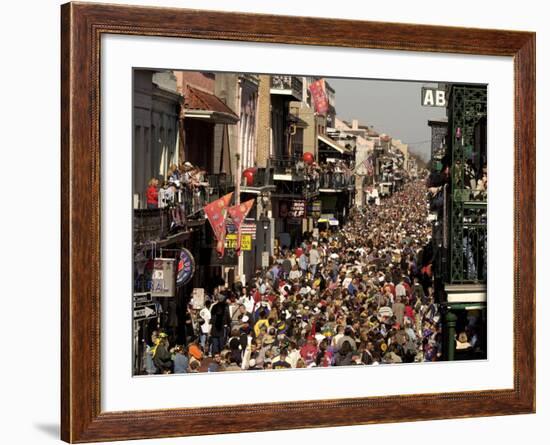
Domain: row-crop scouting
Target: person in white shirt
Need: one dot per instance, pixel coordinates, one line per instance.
(205, 326)
(295, 273)
(314, 259)
(400, 290)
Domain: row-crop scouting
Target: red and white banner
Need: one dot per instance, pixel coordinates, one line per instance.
(216, 212)
(238, 214)
(319, 95)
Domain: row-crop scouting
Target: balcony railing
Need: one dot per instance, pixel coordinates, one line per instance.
(291, 165)
(468, 244)
(336, 181)
(177, 209)
(220, 184)
(287, 85)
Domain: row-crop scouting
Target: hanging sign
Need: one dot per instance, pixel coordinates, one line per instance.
(145, 312)
(297, 209)
(186, 267)
(319, 96)
(231, 241)
(162, 282)
(141, 298)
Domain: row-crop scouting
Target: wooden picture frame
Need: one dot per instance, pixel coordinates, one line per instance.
(82, 26)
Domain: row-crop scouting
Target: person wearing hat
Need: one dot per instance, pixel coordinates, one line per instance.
(282, 361)
(186, 173)
(161, 356)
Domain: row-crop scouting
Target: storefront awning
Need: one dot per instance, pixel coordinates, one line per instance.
(333, 144)
(209, 107)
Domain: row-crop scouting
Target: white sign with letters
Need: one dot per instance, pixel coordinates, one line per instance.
(432, 97)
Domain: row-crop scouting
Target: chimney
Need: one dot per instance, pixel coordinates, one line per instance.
(355, 124)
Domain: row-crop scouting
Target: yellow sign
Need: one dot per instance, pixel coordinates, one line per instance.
(231, 241)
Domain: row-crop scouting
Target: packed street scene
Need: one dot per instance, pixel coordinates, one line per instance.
(276, 228)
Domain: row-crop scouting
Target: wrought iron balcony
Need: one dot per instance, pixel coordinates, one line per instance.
(291, 166)
(288, 86)
(219, 184)
(337, 181)
(263, 177)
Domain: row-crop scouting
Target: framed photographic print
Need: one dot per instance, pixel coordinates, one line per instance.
(276, 222)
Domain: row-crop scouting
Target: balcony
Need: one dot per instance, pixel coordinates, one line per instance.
(262, 182)
(335, 182)
(290, 86)
(219, 184)
(290, 168)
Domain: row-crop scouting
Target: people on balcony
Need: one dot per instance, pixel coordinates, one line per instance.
(152, 194)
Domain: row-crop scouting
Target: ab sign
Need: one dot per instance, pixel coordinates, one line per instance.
(432, 97)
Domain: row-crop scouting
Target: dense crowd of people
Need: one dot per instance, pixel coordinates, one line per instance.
(361, 295)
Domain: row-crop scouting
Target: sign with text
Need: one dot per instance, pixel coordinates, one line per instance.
(432, 97)
(145, 312)
(186, 267)
(231, 241)
(163, 280)
(142, 298)
(296, 209)
(316, 209)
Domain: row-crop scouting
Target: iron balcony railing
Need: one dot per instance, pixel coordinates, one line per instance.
(219, 184)
(178, 207)
(287, 85)
(291, 165)
(336, 180)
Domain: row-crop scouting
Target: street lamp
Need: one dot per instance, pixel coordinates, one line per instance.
(265, 226)
(266, 222)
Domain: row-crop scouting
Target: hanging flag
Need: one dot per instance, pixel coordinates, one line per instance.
(238, 214)
(369, 165)
(216, 212)
(320, 99)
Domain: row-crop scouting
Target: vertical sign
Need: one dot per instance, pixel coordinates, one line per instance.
(432, 97)
(163, 282)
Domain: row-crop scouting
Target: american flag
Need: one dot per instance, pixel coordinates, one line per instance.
(369, 165)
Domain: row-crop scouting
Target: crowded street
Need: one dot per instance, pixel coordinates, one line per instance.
(273, 231)
(361, 295)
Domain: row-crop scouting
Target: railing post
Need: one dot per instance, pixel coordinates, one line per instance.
(450, 319)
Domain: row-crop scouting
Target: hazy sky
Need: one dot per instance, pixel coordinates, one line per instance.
(391, 107)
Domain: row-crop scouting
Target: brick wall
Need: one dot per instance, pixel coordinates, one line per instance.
(264, 120)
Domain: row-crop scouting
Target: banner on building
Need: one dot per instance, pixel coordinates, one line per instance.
(369, 165)
(163, 282)
(319, 96)
(216, 212)
(186, 267)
